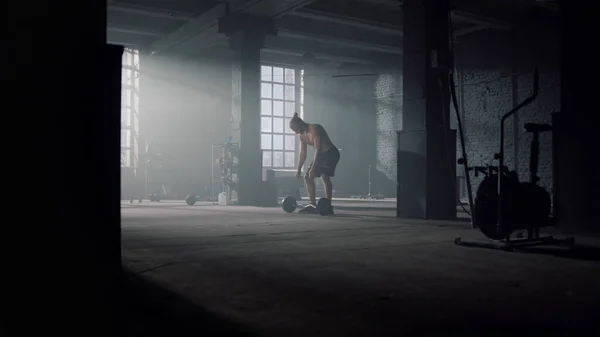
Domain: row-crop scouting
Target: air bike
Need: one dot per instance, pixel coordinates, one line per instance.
(505, 207)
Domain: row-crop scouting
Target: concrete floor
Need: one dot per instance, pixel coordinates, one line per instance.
(360, 273)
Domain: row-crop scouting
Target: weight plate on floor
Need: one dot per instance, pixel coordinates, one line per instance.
(190, 200)
(324, 206)
(289, 204)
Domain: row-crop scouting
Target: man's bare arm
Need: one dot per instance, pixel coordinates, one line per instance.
(302, 156)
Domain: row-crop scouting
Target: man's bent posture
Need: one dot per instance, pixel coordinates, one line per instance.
(326, 157)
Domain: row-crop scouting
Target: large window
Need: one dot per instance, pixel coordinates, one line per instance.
(130, 107)
(281, 96)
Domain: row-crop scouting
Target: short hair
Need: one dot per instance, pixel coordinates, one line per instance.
(295, 121)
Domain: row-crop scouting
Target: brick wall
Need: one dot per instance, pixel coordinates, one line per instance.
(387, 94)
(493, 75)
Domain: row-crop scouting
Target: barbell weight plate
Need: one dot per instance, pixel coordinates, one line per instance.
(289, 204)
(324, 206)
(191, 200)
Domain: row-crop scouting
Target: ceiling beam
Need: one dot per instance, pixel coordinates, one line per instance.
(336, 41)
(276, 8)
(147, 11)
(360, 11)
(198, 43)
(387, 38)
(340, 34)
(331, 18)
(386, 3)
(208, 21)
(133, 30)
(324, 49)
(295, 57)
(122, 43)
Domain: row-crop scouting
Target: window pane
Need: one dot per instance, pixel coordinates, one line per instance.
(290, 92)
(265, 124)
(302, 95)
(290, 76)
(126, 76)
(290, 107)
(278, 125)
(277, 74)
(126, 97)
(136, 124)
(265, 73)
(277, 142)
(125, 157)
(277, 159)
(267, 159)
(302, 77)
(277, 108)
(265, 141)
(287, 126)
(136, 102)
(278, 91)
(290, 143)
(265, 90)
(125, 138)
(129, 58)
(265, 107)
(125, 117)
(290, 159)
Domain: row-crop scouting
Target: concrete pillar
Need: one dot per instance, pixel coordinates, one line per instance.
(426, 145)
(246, 36)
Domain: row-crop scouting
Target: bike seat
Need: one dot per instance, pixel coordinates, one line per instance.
(533, 127)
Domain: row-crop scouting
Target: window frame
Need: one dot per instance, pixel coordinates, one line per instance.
(298, 107)
(129, 108)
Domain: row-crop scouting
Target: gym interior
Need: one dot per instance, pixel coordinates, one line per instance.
(464, 197)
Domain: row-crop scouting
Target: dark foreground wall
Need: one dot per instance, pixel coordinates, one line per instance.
(66, 84)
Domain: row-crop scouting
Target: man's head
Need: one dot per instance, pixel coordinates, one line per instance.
(298, 125)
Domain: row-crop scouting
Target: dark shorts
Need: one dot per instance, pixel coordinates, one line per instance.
(326, 163)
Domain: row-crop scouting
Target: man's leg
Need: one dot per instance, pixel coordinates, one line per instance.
(328, 186)
(328, 191)
(330, 160)
(310, 189)
(310, 186)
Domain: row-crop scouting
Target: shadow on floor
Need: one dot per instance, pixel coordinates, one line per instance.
(151, 310)
(576, 252)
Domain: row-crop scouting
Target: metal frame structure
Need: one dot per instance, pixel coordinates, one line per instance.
(226, 188)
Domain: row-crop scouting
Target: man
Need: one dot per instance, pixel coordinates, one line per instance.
(326, 158)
